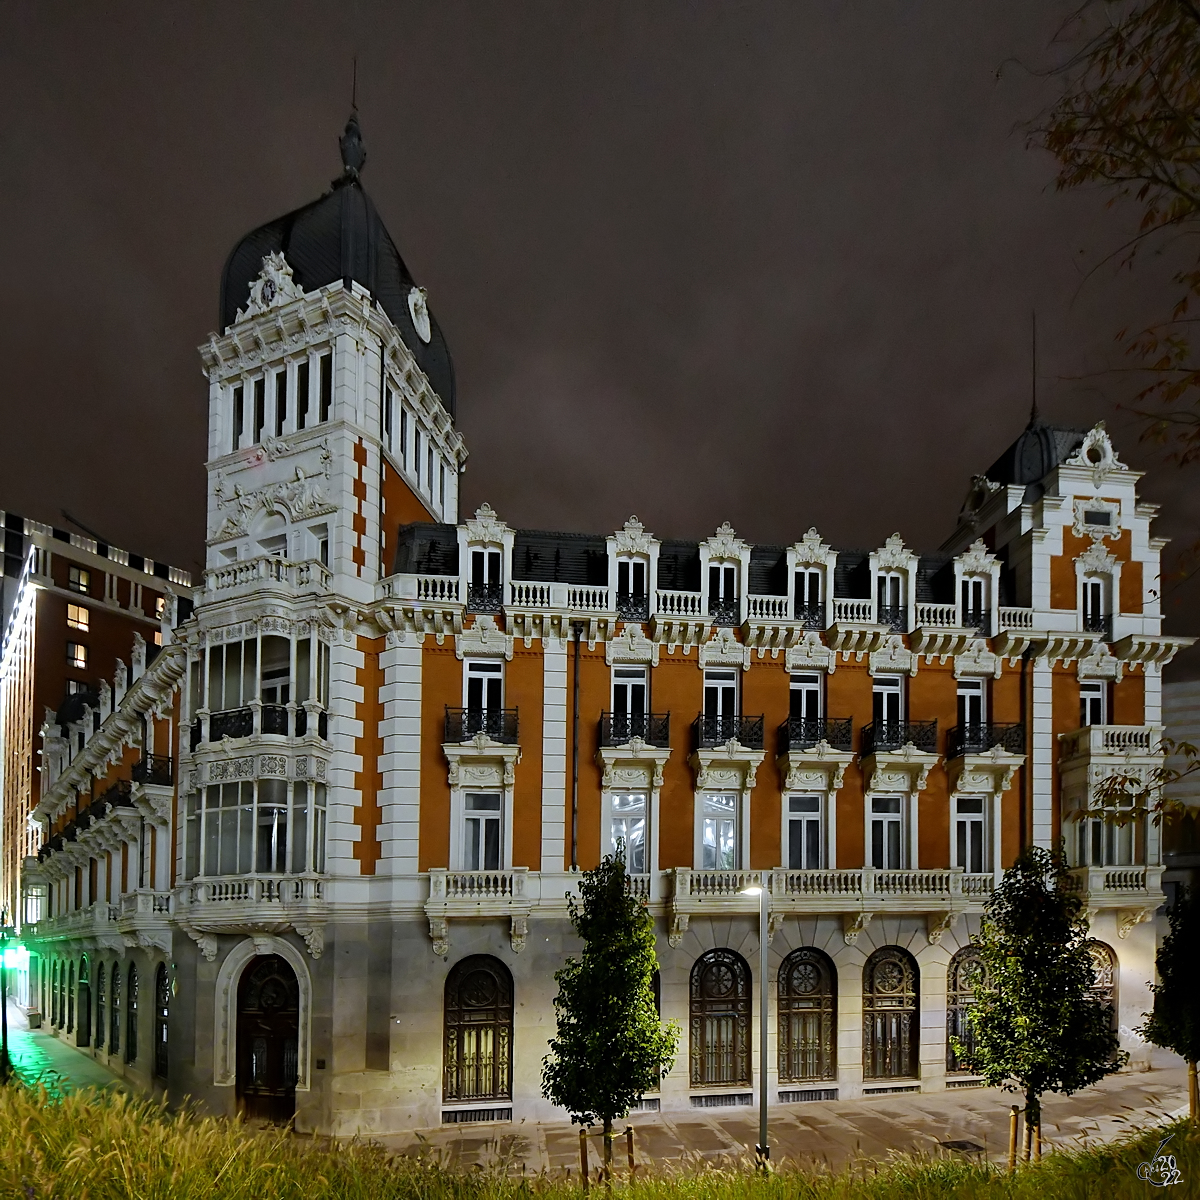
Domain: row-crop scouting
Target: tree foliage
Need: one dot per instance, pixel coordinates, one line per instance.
(1175, 1021)
(1128, 796)
(1038, 1028)
(611, 1045)
(1128, 120)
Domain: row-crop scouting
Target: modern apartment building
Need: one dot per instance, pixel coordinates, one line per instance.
(313, 857)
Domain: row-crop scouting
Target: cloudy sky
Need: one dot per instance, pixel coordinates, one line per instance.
(765, 263)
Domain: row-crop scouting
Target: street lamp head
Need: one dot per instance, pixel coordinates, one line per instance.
(752, 890)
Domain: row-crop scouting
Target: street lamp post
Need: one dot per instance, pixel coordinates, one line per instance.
(763, 1149)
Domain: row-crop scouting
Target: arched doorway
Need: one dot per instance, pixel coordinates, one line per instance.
(1104, 968)
(890, 1024)
(962, 978)
(85, 1005)
(268, 1028)
(807, 1016)
(720, 1020)
(478, 1020)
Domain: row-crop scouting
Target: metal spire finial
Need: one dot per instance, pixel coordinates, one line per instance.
(1034, 415)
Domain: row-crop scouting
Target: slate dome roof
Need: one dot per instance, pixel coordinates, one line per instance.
(1036, 452)
(341, 236)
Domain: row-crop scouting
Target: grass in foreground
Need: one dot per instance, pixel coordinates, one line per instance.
(94, 1146)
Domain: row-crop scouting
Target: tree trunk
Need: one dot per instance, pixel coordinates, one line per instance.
(608, 1141)
(1033, 1116)
(1193, 1097)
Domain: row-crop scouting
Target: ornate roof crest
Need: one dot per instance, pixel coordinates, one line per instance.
(811, 550)
(634, 539)
(273, 287)
(1096, 452)
(725, 543)
(894, 556)
(485, 526)
(977, 559)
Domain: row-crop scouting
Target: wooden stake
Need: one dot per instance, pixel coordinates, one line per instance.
(1037, 1141)
(583, 1159)
(1013, 1123)
(629, 1146)
(1193, 1094)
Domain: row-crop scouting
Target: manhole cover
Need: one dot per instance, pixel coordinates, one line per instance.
(963, 1147)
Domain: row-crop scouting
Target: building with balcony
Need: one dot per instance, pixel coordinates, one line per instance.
(320, 846)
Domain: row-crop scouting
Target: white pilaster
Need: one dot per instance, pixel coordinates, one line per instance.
(554, 755)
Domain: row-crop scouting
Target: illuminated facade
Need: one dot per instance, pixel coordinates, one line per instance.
(359, 780)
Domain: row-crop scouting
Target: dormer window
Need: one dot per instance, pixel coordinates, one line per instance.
(890, 601)
(633, 601)
(485, 588)
(723, 603)
(810, 608)
(975, 611)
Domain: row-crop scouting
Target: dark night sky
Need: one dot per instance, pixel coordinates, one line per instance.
(764, 263)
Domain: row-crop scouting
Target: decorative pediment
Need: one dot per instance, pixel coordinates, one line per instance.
(724, 650)
(1097, 454)
(818, 768)
(728, 768)
(977, 660)
(810, 654)
(989, 773)
(894, 556)
(1100, 663)
(903, 770)
(484, 640)
(725, 543)
(1095, 560)
(633, 766)
(273, 288)
(893, 657)
(485, 525)
(977, 559)
(298, 499)
(481, 763)
(811, 551)
(631, 645)
(633, 538)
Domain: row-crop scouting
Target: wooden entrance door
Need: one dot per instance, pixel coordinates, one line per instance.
(268, 1027)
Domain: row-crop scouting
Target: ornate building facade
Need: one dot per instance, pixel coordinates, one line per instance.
(361, 777)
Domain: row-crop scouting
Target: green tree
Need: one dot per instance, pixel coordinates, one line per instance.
(1128, 121)
(1037, 1026)
(1175, 1021)
(611, 1045)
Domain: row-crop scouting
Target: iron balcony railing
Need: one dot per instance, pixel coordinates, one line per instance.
(274, 718)
(1098, 623)
(979, 619)
(485, 597)
(322, 723)
(618, 728)
(500, 724)
(802, 733)
(154, 768)
(711, 730)
(980, 738)
(810, 616)
(633, 606)
(233, 722)
(892, 735)
(894, 616)
(725, 612)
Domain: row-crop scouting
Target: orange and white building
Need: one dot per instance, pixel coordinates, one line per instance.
(398, 733)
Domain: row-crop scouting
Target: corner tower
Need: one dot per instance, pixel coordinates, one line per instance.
(331, 397)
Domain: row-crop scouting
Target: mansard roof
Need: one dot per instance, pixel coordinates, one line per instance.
(341, 237)
(1036, 452)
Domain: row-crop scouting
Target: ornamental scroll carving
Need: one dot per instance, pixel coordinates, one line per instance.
(633, 539)
(811, 551)
(725, 543)
(485, 526)
(298, 499)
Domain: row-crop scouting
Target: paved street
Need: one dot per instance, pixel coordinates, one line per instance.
(829, 1132)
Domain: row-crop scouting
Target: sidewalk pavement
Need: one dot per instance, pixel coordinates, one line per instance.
(828, 1133)
(39, 1057)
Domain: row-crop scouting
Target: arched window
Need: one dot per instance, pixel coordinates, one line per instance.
(807, 1016)
(1104, 967)
(101, 1027)
(962, 978)
(890, 1015)
(131, 1014)
(720, 1020)
(71, 998)
(114, 1012)
(162, 1004)
(85, 1005)
(477, 1054)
